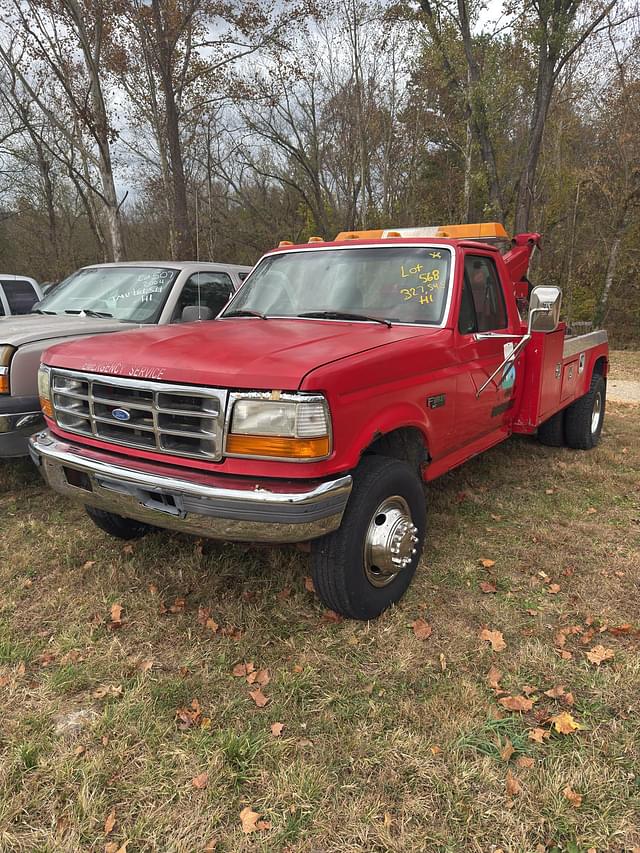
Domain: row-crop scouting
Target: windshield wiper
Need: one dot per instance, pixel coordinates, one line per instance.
(89, 312)
(243, 312)
(345, 315)
(41, 311)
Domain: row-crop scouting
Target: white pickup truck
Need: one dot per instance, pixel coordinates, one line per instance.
(97, 299)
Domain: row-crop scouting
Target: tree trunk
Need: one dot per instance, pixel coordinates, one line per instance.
(612, 263)
(183, 238)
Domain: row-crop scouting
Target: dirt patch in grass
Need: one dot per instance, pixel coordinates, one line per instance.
(624, 364)
(390, 743)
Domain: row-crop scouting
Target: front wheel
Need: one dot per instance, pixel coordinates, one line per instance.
(584, 418)
(367, 564)
(117, 525)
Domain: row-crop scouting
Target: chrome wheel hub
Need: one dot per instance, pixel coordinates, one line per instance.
(391, 541)
(595, 414)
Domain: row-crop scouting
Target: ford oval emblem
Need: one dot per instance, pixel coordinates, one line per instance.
(121, 414)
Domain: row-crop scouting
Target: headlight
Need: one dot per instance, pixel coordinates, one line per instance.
(290, 427)
(6, 352)
(44, 389)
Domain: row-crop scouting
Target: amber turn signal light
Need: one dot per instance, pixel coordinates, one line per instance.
(278, 447)
(46, 407)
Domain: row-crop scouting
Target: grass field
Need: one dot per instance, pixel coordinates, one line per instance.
(389, 741)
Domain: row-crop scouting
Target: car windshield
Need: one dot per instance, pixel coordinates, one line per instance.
(405, 284)
(133, 294)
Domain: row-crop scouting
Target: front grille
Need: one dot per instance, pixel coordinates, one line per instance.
(175, 419)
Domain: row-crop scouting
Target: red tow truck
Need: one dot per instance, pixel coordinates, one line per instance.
(342, 376)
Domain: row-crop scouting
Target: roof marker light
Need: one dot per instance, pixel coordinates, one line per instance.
(316, 240)
(285, 243)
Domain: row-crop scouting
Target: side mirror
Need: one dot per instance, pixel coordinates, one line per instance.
(544, 308)
(190, 313)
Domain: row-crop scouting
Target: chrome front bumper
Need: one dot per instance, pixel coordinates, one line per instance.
(213, 505)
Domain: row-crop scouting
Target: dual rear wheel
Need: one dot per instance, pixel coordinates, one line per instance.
(579, 425)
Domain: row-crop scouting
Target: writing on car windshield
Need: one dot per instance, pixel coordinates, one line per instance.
(132, 294)
(405, 284)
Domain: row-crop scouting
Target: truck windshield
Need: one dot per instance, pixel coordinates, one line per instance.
(405, 284)
(133, 294)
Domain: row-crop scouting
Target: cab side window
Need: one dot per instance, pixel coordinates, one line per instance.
(20, 294)
(482, 308)
(209, 289)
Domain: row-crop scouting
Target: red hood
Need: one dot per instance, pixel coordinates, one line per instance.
(233, 353)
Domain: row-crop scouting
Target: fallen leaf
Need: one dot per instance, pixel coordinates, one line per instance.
(258, 697)
(145, 665)
(21, 668)
(507, 751)
(487, 587)
(598, 654)
(560, 639)
(556, 692)
(586, 638)
(574, 798)
(241, 670)
(422, 629)
(110, 822)
(332, 616)
(525, 762)
(204, 613)
(564, 723)
(626, 628)
(250, 820)
(539, 735)
(178, 605)
(516, 703)
(153, 589)
(566, 655)
(116, 616)
(187, 718)
(512, 785)
(107, 690)
(488, 564)
(435, 749)
(232, 632)
(553, 588)
(212, 625)
(493, 678)
(201, 781)
(308, 584)
(262, 677)
(568, 699)
(495, 638)
(276, 729)
(210, 846)
(284, 593)
(528, 690)
(4, 680)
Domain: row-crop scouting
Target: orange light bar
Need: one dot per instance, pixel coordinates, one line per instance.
(360, 235)
(478, 230)
(46, 407)
(315, 240)
(278, 447)
(285, 243)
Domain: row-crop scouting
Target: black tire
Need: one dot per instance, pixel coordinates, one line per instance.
(338, 559)
(582, 427)
(117, 525)
(551, 432)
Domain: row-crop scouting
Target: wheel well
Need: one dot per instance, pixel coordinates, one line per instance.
(405, 443)
(600, 366)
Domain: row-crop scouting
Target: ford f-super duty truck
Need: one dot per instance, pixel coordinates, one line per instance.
(340, 378)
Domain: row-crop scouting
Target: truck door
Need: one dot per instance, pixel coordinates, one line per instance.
(482, 309)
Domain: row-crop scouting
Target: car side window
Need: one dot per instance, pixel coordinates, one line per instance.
(482, 308)
(21, 296)
(209, 289)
